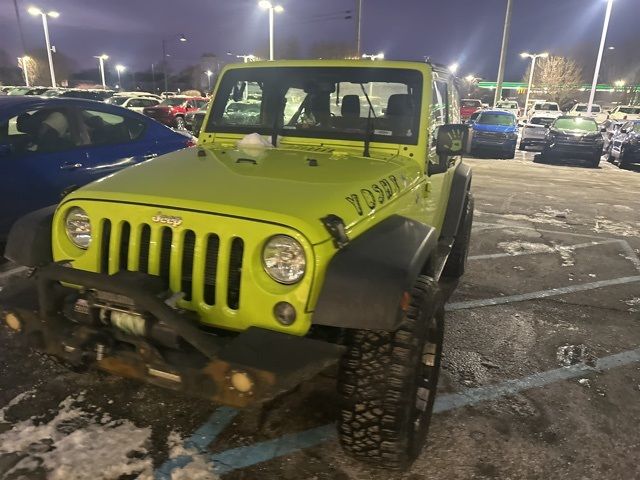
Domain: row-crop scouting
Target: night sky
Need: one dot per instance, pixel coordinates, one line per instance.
(466, 31)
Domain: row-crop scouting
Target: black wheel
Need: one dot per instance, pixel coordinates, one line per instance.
(180, 125)
(610, 158)
(511, 154)
(455, 266)
(388, 383)
(522, 146)
(595, 161)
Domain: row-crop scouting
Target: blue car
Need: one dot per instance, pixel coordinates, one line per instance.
(51, 146)
(494, 132)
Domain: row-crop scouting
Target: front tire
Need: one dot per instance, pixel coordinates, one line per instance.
(180, 124)
(388, 383)
(595, 161)
(522, 146)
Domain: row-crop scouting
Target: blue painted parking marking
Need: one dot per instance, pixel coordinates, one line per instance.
(242, 457)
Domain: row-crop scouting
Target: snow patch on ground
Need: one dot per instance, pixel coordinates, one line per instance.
(623, 207)
(77, 444)
(634, 303)
(523, 248)
(16, 400)
(621, 229)
(199, 468)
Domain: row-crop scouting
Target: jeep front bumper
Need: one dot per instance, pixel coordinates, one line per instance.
(168, 348)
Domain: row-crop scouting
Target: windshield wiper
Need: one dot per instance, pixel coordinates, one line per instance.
(369, 130)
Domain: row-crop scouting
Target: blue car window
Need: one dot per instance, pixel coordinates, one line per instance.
(46, 130)
(109, 129)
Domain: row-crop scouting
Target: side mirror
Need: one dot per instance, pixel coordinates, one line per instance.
(452, 140)
(603, 129)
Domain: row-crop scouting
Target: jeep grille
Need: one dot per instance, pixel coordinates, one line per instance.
(127, 246)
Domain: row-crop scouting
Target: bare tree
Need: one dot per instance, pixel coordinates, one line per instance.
(558, 78)
(62, 64)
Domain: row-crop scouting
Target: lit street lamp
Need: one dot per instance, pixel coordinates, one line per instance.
(181, 38)
(23, 63)
(35, 11)
(603, 40)
(245, 58)
(471, 80)
(120, 69)
(377, 56)
(619, 83)
(101, 59)
(267, 5)
(209, 73)
(533, 58)
(453, 68)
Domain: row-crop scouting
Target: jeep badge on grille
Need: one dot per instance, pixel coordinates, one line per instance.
(167, 220)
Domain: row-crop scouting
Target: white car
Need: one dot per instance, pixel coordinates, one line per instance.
(137, 94)
(549, 109)
(135, 103)
(534, 131)
(580, 110)
(509, 106)
(625, 112)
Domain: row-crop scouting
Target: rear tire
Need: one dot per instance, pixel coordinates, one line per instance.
(388, 383)
(522, 146)
(455, 266)
(595, 161)
(511, 155)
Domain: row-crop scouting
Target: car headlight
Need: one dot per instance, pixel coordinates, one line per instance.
(78, 227)
(283, 259)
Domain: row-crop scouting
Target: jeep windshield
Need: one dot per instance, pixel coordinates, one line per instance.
(343, 103)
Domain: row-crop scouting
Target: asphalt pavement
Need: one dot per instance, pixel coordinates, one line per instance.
(541, 374)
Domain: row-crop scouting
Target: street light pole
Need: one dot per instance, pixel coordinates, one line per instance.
(603, 40)
(120, 69)
(36, 11)
(181, 38)
(503, 52)
(533, 58)
(358, 27)
(209, 73)
(267, 5)
(101, 59)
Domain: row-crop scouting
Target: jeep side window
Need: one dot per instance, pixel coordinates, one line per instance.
(439, 114)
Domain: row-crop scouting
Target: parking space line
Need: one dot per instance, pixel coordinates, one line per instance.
(199, 441)
(553, 292)
(242, 457)
(518, 254)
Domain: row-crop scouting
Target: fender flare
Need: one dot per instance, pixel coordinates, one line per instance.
(29, 241)
(366, 281)
(460, 186)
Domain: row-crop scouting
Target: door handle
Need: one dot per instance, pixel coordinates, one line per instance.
(149, 156)
(70, 166)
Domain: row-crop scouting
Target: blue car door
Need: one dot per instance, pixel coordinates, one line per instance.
(39, 160)
(115, 140)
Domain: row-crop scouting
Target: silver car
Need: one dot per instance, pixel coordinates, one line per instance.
(534, 131)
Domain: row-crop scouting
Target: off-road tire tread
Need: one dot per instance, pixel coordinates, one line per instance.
(378, 388)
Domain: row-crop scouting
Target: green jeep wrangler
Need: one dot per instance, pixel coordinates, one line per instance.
(314, 224)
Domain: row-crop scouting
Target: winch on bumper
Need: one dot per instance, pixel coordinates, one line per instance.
(126, 324)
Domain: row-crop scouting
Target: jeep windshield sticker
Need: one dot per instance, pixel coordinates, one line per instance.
(388, 133)
(378, 194)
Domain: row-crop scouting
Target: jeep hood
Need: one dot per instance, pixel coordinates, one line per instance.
(289, 186)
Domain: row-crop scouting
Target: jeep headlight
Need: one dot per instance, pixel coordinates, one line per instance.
(283, 259)
(78, 227)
